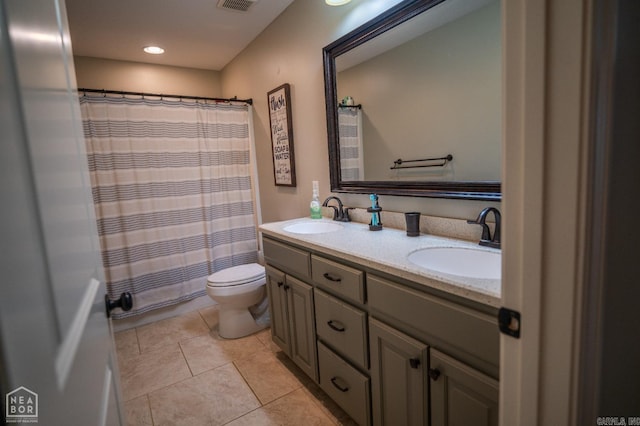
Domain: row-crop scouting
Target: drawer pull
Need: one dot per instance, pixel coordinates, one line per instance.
(340, 388)
(339, 327)
(434, 373)
(331, 277)
(414, 362)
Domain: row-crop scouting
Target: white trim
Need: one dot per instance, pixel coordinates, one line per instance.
(106, 393)
(69, 347)
(545, 95)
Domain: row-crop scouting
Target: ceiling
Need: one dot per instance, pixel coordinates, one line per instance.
(194, 33)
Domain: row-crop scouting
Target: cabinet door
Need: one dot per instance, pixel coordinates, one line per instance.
(461, 395)
(302, 323)
(398, 377)
(278, 306)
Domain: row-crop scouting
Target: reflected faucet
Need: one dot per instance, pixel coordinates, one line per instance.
(340, 213)
(487, 239)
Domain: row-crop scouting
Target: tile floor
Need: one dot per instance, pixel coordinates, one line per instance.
(178, 371)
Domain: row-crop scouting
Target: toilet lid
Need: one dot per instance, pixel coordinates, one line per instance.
(235, 275)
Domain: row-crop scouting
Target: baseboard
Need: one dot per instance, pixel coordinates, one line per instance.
(162, 313)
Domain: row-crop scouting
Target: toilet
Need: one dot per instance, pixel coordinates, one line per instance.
(241, 295)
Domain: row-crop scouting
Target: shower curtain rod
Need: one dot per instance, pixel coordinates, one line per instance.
(198, 98)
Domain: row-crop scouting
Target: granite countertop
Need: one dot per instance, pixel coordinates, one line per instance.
(387, 251)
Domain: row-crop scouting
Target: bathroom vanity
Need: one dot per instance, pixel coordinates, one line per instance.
(391, 342)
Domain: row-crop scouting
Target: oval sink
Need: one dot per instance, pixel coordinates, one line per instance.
(313, 227)
(465, 262)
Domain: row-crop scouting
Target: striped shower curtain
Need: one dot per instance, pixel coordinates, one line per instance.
(171, 183)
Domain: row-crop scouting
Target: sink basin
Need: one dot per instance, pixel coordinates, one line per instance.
(313, 227)
(464, 262)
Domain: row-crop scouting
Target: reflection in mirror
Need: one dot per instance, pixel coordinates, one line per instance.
(429, 88)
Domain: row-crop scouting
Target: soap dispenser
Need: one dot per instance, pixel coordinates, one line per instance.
(314, 206)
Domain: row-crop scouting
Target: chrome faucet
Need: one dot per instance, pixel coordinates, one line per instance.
(340, 213)
(487, 239)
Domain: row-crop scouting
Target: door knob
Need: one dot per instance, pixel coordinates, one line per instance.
(125, 302)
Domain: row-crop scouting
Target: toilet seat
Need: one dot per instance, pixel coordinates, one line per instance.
(237, 275)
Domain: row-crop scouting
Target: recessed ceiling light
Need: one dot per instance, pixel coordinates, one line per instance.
(336, 2)
(154, 50)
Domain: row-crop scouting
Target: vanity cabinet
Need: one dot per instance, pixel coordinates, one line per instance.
(387, 352)
(461, 395)
(398, 375)
(292, 315)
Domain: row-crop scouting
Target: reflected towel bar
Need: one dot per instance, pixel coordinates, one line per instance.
(398, 163)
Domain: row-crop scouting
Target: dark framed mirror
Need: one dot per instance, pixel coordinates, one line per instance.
(413, 102)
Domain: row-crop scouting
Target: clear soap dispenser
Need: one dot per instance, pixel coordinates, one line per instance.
(314, 206)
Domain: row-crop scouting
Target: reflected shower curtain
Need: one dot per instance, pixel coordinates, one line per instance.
(351, 149)
(171, 183)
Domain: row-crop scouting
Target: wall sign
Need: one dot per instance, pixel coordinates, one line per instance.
(279, 100)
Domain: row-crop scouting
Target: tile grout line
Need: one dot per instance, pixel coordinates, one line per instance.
(150, 410)
(185, 358)
(135, 331)
(247, 383)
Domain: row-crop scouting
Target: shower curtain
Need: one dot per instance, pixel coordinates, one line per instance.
(351, 149)
(171, 183)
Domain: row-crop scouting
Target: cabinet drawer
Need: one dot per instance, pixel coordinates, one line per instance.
(344, 384)
(287, 258)
(348, 282)
(343, 327)
(473, 332)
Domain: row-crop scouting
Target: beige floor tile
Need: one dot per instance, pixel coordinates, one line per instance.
(266, 376)
(294, 409)
(171, 330)
(265, 338)
(211, 398)
(328, 406)
(126, 344)
(210, 351)
(138, 412)
(152, 370)
(210, 315)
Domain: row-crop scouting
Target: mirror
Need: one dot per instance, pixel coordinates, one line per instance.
(413, 102)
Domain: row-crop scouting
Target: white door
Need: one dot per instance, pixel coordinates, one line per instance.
(57, 357)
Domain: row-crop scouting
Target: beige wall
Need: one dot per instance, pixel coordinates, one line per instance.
(290, 51)
(95, 73)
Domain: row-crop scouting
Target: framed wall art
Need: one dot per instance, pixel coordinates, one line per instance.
(279, 101)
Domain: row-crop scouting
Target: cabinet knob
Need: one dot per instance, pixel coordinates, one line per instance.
(434, 373)
(280, 283)
(414, 362)
(286, 287)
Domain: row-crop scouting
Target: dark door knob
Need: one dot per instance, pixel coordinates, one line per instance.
(125, 302)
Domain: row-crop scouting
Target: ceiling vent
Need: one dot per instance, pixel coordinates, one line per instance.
(237, 5)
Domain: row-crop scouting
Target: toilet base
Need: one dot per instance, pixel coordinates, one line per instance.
(234, 323)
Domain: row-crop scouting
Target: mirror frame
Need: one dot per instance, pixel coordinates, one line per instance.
(465, 190)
